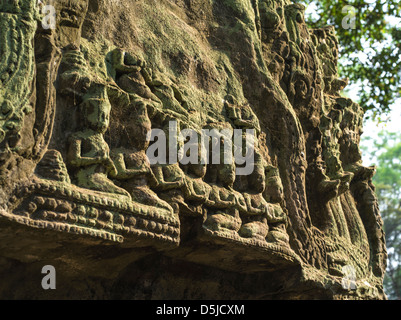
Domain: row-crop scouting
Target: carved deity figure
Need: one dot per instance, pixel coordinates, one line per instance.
(169, 177)
(265, 219)
(195, 188)
(276, 217)
(331, 132)
(224, 203)
(131, 162)
(255, 218)
(196, 191)
(88, 152)
(132, 74)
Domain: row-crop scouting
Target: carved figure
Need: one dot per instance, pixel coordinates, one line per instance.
(306, 213)
(17, 70)
(196, 191)
(224, 203)
(132, 164)
(88, 151)
(132, 75)
(331, 133)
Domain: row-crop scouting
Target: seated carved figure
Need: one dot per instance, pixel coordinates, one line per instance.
(195, 188)
(132, 75)
(255, 220)
(224, 203)
(88, 151)
(196, 191)
(264, 216)
(132, 164)
(135, 174)
(276, 217)
(169, 180)
(169, 177)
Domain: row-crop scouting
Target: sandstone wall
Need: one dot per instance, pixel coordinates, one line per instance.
(78, 190)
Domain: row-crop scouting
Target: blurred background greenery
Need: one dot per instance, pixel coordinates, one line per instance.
(370, 56)
(384, 150)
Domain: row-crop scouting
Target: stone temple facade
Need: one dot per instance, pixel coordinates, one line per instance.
(84, 82)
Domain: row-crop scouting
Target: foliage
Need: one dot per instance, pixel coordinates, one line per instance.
(370, 53)
(387, 156)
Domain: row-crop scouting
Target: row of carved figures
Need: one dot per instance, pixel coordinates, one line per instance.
(248, 206)
(229, 203)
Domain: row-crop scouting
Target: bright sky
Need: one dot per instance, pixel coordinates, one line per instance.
(393, 123)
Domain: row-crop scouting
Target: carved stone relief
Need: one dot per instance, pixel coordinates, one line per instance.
(77, 110)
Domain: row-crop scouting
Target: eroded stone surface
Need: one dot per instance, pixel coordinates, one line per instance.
(78, 101)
